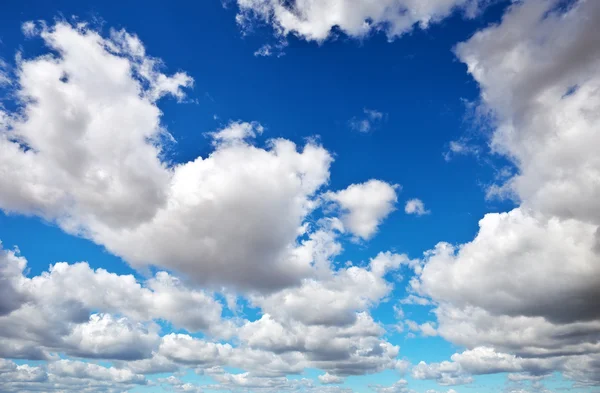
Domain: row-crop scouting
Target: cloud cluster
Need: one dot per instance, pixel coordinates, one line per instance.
(316, 20)
(236, 221)
(85, 150)
(66, 376)
(527, 285)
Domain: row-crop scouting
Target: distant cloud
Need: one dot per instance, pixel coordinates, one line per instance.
(415, 206)
(370, 120)
(316, 21)
(28, 28)
(461, 147)
(272, 50)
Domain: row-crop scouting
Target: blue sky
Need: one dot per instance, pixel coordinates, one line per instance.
(325, 196)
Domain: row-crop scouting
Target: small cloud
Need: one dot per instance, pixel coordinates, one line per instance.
(236, 132)
(29, 29)
(327, 378)
(426, 329)
(415, 300)
(370, 120)
(415, 206)
(272, 50)
(461, 147)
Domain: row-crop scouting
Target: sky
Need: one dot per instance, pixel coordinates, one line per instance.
(319, 196)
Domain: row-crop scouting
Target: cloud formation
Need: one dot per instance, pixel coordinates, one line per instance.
(316, 20)
(527, 283)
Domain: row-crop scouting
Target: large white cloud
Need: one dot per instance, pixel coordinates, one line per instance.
(52, 312)
(85, 151)
(66, 376)
(314, 20)
(528, 283)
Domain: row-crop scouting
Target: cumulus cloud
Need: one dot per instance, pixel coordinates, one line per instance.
(416, 207)
(53, 311)
(66, 376)
(330, 379)
(527, 283)
(315, 21)
(364, 206)
(85, 152)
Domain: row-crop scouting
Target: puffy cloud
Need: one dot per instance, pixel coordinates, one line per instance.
(236, 132)
(334, 300)
(327, 379)
(216, 233)
(364, 206)
(426, 329)
(415, 206)
(527, 284)
(546, 253)
(315, 20)
(177, 385)
(105, 337)
(538, 74)
(85, 151)
(400, 386)
(66, 376)
(485, 360)
(51, 311)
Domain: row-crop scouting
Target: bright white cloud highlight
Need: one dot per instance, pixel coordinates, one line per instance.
(315, 20)
(364, 206)
(416, 207)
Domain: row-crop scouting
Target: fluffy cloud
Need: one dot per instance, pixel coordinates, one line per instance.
(51, 311)
(528, 283)
(485, 360)
(315, 20)
(85, 151)
(66, 376)
(364, 206)
(330, 379)
(334, 300)
(415, 206)
(547, 253)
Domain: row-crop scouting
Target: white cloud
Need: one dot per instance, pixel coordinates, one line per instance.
(415, 206)
(368, 122)
(364, 206)
(86, 154)
(527, 284)
(400, 386)
(105, 337)
(461, 147)
(236, 132)
(330, 379)
(51, 311)
(29, 28)
(314, 21)
(66, 376)
(334, 300)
